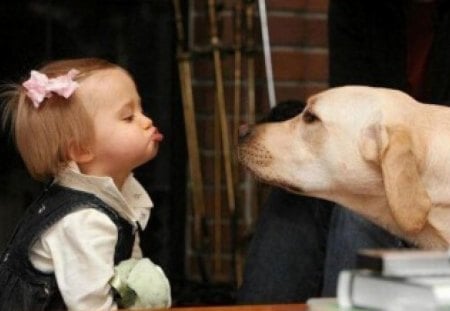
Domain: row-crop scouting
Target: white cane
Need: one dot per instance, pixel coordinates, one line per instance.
(266, 51)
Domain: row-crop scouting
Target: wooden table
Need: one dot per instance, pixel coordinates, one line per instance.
(278, 307)
(319, 304)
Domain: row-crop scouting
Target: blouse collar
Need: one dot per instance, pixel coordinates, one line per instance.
(132, 202)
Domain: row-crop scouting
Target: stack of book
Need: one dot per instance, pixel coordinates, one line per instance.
(397, 280)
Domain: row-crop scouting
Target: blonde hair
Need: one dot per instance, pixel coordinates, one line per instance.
(44, 135)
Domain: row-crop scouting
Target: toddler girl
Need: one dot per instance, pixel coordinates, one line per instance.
(78, 123)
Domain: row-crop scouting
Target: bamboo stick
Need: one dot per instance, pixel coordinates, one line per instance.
(185, 74)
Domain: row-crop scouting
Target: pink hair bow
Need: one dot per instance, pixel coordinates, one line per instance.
(39, 86)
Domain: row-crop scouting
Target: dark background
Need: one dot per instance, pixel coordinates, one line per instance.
(138, 35)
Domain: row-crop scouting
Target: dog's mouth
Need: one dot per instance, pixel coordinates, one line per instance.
(257, 160)
(293, 189)
(275, 181)
(254, 155)
(286, 186)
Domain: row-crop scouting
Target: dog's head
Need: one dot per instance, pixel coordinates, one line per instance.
(348, 143)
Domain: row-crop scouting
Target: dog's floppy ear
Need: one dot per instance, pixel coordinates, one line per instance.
(372, 142)
(392, 149)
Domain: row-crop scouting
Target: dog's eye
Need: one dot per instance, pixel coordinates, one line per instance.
(309, 117)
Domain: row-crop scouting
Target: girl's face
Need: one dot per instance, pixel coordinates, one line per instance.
(124, 137)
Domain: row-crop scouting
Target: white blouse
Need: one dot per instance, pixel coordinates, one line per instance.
(80, 247)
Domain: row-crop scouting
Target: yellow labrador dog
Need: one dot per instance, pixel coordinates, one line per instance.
(375, 151)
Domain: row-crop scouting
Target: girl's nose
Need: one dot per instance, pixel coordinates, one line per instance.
(146, 122)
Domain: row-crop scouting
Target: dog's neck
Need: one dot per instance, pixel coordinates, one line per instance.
(435, 234)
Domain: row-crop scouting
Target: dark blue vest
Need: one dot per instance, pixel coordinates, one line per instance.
(24, 288)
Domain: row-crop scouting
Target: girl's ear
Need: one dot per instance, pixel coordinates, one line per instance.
(79, 154)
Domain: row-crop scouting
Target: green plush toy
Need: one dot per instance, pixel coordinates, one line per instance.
(139, 283)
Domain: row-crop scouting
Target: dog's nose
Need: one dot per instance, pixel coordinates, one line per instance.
(244, 131)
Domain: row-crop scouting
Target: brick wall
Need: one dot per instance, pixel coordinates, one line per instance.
(298, 37)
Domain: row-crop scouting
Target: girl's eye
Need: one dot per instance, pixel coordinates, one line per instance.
(309, 117)
(129, 118)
